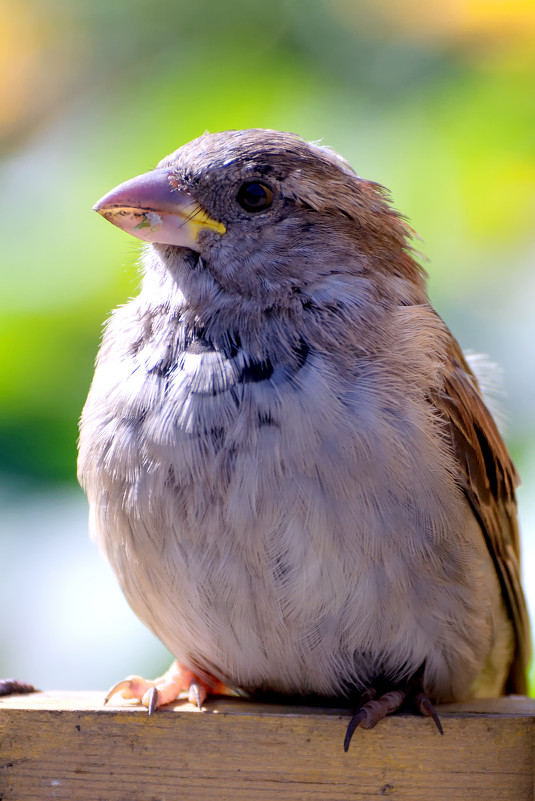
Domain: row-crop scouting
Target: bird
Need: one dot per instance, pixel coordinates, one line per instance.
(289, 462)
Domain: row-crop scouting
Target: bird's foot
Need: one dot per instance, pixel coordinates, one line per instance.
(8, 686)
(166, 689)
(374, 707)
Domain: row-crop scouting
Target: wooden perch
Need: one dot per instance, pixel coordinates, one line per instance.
(66, 745)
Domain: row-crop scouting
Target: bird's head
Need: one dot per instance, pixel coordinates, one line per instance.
(266, 216)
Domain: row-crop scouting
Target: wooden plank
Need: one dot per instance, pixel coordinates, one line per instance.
(68, 746)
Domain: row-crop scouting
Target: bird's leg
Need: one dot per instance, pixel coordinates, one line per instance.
(373, 708)
(165, 689)
(8, 686)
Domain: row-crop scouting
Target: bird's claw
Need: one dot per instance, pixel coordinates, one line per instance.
(147, 692)
(354, 723)
(373, 709)
(153, 698)
(131, 687)
(426, 708)
(166, 689)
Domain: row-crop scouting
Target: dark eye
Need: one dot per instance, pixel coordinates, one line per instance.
(253, 196)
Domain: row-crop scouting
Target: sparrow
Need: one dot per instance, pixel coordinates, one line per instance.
(289, 462)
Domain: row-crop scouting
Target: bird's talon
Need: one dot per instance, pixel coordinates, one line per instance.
(152, 700)
(358, 717)
(117, 688)
(197, 694)
(131, 687)
(167, 688)
(426, 708)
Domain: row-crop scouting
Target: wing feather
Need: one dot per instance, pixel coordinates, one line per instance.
(489, 480)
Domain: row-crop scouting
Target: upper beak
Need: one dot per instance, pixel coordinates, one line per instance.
(153, 209)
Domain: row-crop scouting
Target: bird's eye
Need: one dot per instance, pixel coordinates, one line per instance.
(253, 196)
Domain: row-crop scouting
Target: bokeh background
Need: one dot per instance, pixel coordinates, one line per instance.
(434, 99)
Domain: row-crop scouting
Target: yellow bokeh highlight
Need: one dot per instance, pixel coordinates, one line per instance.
(491, 20)
(20, 41)
(37, 51)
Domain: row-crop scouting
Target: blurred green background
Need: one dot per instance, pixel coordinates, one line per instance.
(434, 100)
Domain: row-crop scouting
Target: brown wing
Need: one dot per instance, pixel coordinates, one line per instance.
(488, 478)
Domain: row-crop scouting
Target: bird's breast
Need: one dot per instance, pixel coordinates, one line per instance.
(281, 517)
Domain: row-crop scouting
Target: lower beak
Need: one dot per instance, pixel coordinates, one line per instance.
(152, 208)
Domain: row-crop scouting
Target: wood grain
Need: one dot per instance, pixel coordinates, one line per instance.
(68, 746)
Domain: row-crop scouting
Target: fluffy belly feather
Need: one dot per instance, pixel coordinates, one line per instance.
(253, 542)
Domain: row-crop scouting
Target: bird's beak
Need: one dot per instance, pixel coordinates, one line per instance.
(151, 207)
